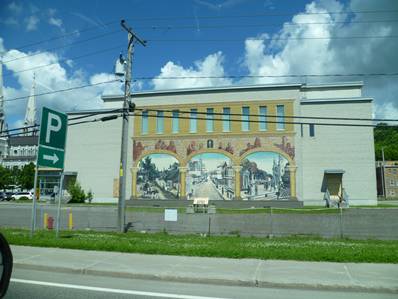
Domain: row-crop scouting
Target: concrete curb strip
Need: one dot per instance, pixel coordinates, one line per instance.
(204, 280)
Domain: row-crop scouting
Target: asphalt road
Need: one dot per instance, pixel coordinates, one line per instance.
(207, 189)
(45, 285)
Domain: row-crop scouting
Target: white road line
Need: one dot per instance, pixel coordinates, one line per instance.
(117, 291)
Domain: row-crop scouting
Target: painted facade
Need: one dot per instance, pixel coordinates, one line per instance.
(198, 142)
(213, 150)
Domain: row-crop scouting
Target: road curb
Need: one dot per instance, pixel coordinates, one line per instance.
(204, 280)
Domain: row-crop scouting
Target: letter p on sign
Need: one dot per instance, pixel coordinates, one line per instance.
(54, 124)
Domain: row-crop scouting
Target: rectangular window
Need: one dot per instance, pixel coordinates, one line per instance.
(226, 119)
(245, 118)
(312, 130)
(193, 122)
(144, 124)
(159, 122)
(262, 126)
(175, 121)
(280, 117)
(392, 183)
(210, 120)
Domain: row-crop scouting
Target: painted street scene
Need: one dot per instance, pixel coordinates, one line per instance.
(265, 175)
(158, 177)
(210, 175)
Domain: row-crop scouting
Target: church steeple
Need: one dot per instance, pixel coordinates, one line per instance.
(2, 115)
(30, 115)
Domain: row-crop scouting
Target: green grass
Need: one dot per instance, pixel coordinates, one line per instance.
(292, 248)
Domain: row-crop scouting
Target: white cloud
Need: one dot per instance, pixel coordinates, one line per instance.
(31, 23)
(55, 22)
(211, 66)
(288, 52)
(52, 78)
(15, 7)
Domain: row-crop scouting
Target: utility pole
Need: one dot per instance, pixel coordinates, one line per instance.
(132, 37)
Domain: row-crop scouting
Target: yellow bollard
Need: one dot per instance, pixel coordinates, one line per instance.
(45, 220)
(70, 222)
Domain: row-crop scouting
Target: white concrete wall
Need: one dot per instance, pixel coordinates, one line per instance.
(347, 148)
(93, 151)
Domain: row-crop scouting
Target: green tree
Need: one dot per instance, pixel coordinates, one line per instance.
(5, 177)
(26, 176)
(76, 192)
(386, 137)
(148, 169)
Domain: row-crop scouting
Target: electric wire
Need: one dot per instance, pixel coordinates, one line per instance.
(281, 122)
(75, 32)
(66, 59)
(266, 76)
(225, 26)
(65, 46)
(272, 115)
(275, 38)
(62, 90)
(78, 31)
(365, 12)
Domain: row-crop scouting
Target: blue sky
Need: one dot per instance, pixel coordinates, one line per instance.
(193, 38)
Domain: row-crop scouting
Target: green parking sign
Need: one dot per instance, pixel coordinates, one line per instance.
(52, 140)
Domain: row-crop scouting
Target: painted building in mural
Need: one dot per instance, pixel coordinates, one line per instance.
(233, 143)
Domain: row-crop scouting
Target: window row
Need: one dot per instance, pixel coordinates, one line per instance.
(247, 120)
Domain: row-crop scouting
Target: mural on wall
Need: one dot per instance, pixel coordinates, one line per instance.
(210, 175)
(235, 146)
(265, 176)
(286, 147)
(158, 177)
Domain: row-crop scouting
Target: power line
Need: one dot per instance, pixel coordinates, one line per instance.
(366, 12)
(66, 59)
(91, 114)
(267, 76)
(272, 116)
(279, 122)
(223, 26)
(75, 32)
(65, 46)
(275, 39)
(78, 31)
(61, 90)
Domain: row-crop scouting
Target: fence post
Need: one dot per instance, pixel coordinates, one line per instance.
(208, 233)
(341, 222)
(271, 224)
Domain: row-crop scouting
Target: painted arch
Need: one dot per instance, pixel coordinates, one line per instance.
(158, 176)
(210, 174)
(265, 175)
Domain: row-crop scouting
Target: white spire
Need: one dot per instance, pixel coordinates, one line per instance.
(30, 116)
(2, 116)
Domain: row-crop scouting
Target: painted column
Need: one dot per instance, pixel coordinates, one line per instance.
(292, 170)
(237, 170)
(183, 177)
(134, 171)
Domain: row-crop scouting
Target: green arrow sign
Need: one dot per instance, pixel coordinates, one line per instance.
(50, 157)
(53, 130)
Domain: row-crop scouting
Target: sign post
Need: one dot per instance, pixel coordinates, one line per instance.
(51, 153)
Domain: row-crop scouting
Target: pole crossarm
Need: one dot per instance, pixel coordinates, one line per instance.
(130, 30)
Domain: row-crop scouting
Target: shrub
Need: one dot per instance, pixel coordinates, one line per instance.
(89, 196)
(76, 192)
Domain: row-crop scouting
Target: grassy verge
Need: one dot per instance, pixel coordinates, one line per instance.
(292, 248)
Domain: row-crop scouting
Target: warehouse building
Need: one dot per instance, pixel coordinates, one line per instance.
(248, 143)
